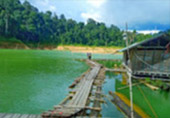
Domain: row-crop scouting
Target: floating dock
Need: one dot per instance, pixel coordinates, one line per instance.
(86, 89)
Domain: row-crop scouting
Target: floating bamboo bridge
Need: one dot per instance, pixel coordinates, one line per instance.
(85, 97)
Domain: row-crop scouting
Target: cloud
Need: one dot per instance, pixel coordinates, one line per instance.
(95, 16)
(52, 8)
(136, 12)
(42, 2)
(93, 10)
(148, 31)
(96, 3)
(44, 5)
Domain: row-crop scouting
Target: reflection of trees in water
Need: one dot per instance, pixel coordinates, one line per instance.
(112, 75)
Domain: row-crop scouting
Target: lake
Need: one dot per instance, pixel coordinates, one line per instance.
(33, 81)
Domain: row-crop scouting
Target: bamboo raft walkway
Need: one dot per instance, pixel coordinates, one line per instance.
(4, 115)
(86, 89)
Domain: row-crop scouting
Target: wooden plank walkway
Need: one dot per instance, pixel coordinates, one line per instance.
(4, 115)
(78, 101)
(116, 70)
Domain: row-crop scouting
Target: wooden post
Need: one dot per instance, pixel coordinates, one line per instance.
(131, 94)
(130, 76)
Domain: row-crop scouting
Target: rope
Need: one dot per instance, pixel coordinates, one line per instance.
(147, 101)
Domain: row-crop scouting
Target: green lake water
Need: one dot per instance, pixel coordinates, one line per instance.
(159, 100)
(109, 109)
(33, 81)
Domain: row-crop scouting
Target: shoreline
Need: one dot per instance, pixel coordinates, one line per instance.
(89, 49)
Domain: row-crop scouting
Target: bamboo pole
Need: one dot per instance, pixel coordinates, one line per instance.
(130, 76)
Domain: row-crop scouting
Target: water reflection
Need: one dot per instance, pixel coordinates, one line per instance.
(109, 109)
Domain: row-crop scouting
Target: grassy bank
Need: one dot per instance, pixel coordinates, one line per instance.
(111, 63)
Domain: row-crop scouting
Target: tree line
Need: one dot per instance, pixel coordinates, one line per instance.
(24, 22)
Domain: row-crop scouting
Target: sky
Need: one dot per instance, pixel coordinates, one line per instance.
(139, 14)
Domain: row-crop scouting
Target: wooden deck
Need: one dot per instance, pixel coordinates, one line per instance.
(142, 74)
(76, 102)
(153, 73)
(3, 115)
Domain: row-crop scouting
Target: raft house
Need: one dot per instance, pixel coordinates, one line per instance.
(149, 58)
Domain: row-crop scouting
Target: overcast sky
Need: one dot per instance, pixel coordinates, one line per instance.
(155, 13)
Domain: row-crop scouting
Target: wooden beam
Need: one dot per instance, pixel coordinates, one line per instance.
(94, 108)
(96, 99)
(116, 70)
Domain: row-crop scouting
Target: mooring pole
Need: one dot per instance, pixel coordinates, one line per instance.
(129, 74)
(131, 95)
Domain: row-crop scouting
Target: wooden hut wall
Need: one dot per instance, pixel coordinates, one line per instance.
(124, 57)
(146, 59)
(136, 63)
(164, 64)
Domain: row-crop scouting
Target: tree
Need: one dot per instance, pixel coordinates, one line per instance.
(38, 29)
(6, 13)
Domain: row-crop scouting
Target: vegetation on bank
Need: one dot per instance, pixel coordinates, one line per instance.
(111, 63)
(38, 30)
(160, 84)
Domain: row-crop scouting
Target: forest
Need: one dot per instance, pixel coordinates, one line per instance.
(24, 22)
